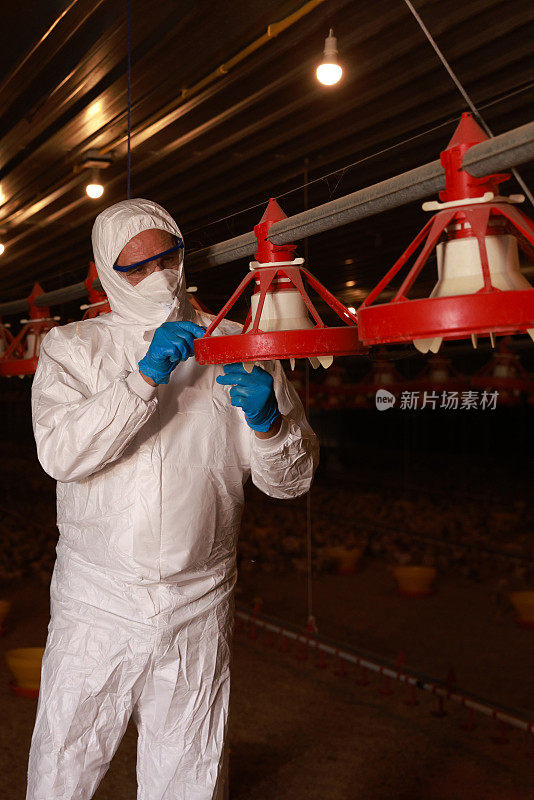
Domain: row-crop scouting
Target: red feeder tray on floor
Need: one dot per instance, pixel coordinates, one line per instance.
(23, 691)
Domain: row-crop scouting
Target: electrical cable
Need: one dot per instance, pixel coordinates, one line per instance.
(129, 79)
(389, 148)
(463, 92)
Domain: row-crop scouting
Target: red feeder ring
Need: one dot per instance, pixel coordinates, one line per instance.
(258, 345)
(24, 691)
(489, 310)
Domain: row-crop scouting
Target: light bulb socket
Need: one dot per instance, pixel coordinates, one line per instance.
(93, 160)
(330, 49)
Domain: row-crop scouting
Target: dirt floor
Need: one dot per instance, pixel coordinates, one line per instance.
(301, 733)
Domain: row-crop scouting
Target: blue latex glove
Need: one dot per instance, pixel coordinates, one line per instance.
(254, 393)
(172, 343)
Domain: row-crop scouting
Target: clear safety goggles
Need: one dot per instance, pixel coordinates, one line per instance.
(167, 259)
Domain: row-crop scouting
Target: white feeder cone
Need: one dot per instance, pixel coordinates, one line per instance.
(460, 272)
(285, 311)
(505, 367)
(384, 376)
(31, 340)
(438, 375)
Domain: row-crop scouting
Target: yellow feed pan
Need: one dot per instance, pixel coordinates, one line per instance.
(415, 581)
(25, 665)
(345, 559)
(523, 602)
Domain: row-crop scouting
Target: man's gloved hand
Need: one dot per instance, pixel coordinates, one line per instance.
(172, 343)
(254, 393)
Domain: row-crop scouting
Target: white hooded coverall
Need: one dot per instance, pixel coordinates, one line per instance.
(149, 503)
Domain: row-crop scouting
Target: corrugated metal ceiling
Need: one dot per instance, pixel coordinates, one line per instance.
(256, 132)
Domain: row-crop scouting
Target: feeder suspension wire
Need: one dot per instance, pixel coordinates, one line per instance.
(382, 151)
(309, 562)
(129, 80)
(463, 92)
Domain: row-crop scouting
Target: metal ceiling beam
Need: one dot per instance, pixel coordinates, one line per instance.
(221, 145)
(239, 107)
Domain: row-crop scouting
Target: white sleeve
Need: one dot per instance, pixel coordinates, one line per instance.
(78, 432)
(283, 465)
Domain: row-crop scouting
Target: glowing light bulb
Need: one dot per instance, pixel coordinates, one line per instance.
(329, 72)
(94, 109)
(2, 248)
(94, 190)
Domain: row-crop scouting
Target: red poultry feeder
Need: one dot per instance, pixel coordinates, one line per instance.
(334, 391)
(278, 325)
(6, 337)
(22, 355)
(98, 300)
(505, 375)
(480, 290)
(439, 376)
(382, 375)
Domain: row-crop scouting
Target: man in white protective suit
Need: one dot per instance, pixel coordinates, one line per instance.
(150, 451)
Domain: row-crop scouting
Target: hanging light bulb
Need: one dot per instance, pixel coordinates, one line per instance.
(95, 189)
(2, 248)
(94, 162)
(329, 71)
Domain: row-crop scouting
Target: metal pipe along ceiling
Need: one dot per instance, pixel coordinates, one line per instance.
(502, 152)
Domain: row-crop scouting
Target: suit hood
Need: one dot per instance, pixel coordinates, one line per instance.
(112, 230)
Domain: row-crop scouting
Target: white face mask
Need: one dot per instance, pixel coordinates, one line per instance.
(160, 286)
